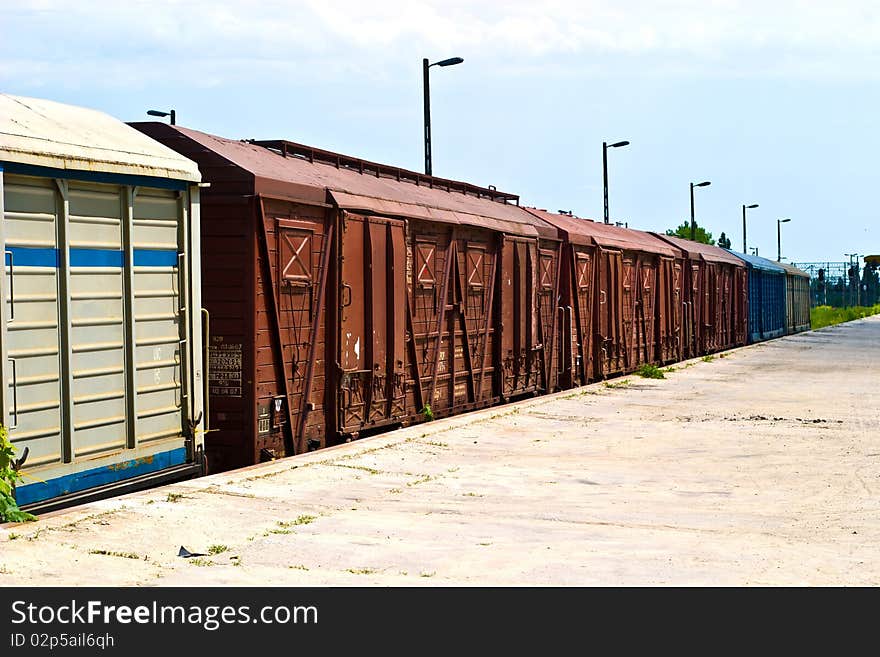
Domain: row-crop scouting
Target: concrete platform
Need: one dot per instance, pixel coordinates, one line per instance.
(758, 466)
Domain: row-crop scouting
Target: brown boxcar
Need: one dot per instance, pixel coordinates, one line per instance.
(346, 296)
(266, 266)
(797, 299)
(576, 307)
(715, 315)
(480, 276)
(618, 299)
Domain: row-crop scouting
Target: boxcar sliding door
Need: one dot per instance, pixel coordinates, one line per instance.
(611, 338)
(372, 293)
(520, 351)
(581, 274)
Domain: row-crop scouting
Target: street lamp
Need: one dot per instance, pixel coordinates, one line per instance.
(705, 183)
(779, 223)
(172, 114)
(746, 207)
(452, 61)
(605, 148)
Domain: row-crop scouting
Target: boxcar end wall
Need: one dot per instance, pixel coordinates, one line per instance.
(101, 334)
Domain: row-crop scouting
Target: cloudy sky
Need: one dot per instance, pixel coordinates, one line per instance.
(775, 102)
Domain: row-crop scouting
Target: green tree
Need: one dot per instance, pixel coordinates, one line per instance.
(724, 241)
(684, 231)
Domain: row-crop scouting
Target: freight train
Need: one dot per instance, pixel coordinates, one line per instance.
(228, 302)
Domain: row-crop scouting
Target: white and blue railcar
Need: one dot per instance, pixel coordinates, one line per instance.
(102, 346)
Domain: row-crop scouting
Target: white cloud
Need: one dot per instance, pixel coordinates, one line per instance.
(230, 39)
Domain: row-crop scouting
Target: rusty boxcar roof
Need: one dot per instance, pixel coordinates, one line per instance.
(309, 174)
(794, 271)
(570, 226)
(695, 250)
(587, 231)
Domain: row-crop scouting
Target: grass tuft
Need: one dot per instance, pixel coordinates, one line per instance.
(650, 371)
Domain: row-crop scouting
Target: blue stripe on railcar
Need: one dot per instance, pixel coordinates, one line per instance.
(154, 258)
(96, 258)
(79, 481)
(28, 256)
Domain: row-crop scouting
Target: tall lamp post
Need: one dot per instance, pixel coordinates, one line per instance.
(705, 183)
(172, 114)
(746, 207)
(452, 61)
(779, 223)
(605, 147)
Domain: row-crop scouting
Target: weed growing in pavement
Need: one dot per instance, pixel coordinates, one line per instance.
(708, 358)
(198, 561)
(114, 553)
(372, 471)
(9, 476)
(650, 371)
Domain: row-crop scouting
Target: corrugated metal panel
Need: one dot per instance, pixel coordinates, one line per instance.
(44, 133)
(797, 299)
(301, 179)
(33, 308)
(99, 371)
